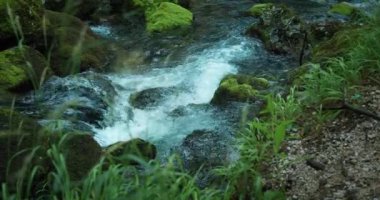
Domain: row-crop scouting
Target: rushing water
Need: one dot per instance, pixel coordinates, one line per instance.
(194, 65)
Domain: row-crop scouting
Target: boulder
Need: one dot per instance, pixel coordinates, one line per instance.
(281, 31)
(81, 154)
(21, 69)
(206, 149)
(168, 16)
(150, 98)
(29, 14)
(75, 47)
(125, 152)
(240, 88)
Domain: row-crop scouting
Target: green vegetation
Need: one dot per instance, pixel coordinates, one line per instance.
(258, 9)
(343, 8)
(167, 16)
(22, 67)
(239, 88)
(39, 164)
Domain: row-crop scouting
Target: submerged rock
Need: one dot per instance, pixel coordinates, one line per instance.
(240, 88)
(168, 16)
(151, 97)
(21, 68)
(123, 152)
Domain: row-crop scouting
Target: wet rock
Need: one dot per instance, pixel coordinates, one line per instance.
(84, 97)
(151, 97)
(281, 31)
(21, 68)
(122, 152)
(242, 88)
(206, 149)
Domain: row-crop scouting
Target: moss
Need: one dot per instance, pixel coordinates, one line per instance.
(259, 9)
(338, 45)
(120, 152)
(20, 67)
(81, 153)
(168, 16)
(29, 13)
(239, 88)
(343, 8)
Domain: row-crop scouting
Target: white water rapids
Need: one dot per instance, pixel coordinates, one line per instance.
(197, 79)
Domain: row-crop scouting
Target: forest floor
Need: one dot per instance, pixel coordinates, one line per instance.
(342, 161)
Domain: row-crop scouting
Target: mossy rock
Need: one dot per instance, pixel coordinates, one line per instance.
(338, 45)
(29, 13)
(123, 152)
(240, 88)
(21, 69)
(259, 9)
(13, 120)
(168, 16)
(343, 8)
(81, 154)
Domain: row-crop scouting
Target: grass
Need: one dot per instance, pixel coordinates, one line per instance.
(259, 142)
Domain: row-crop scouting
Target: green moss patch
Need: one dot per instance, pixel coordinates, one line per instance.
(259, 9)
(20, 68)
(167, 16)
(239, 88)
(343, 8)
